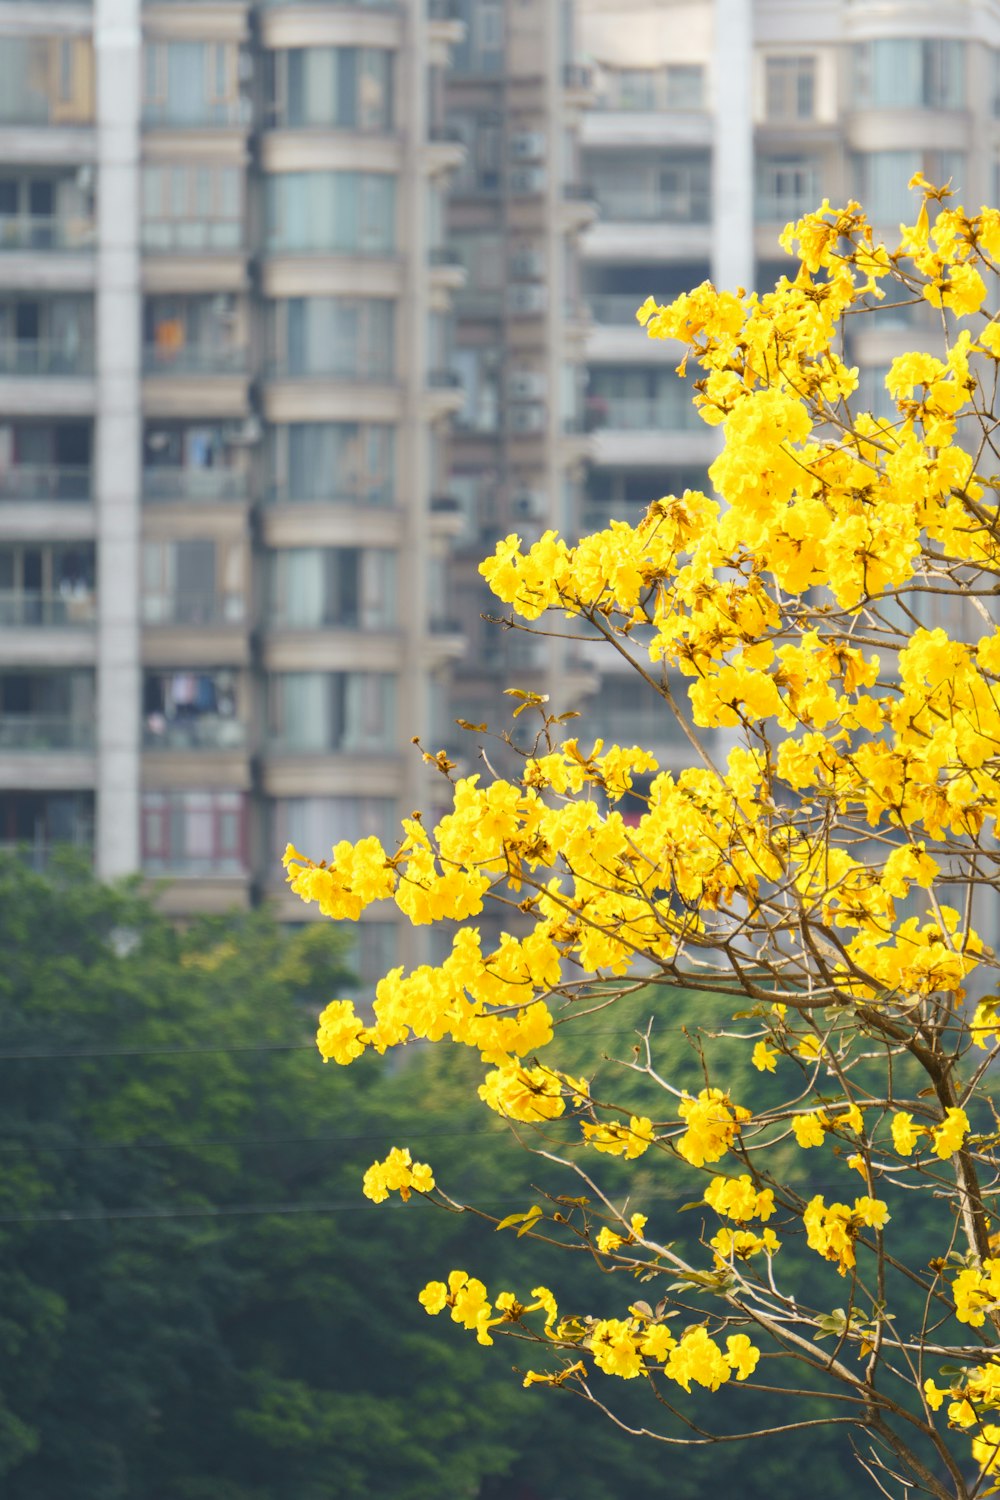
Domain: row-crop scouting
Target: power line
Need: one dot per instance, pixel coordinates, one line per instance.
(249, 1210)
(8, 1144)
(28, 1054)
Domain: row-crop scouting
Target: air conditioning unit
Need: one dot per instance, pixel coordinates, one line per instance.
(526, 145)
(526, 385)
(528, 505)
(525, 181)
(528, 418)
(524, 300)
(527, 263)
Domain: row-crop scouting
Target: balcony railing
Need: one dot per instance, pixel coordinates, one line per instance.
(45, 732)
(283, 368)
(208, 113)
(30, 358)
(45, 482)
(74, 606)
(622, 206)
(162, 483)
(193, 360)
(618, 308)
(200, 732)
(193, 236)
(642, 414)
(191, 607)
(281, 493)
(28, 232)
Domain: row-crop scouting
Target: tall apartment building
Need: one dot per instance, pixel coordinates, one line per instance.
(716, 122)
(223, 300)
(515, 96)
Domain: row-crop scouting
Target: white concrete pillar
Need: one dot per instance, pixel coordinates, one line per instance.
(118, 435)
(733, 156)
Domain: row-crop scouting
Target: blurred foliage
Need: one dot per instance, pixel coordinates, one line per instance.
(159, 1347)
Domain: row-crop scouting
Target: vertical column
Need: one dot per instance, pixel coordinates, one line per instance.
(117, 41)
(733, 157)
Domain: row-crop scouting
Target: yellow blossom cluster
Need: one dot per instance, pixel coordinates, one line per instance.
(613, 1139)
(399, 1173)
(831, 1231)
(713, 1122)
(466, 1298)
(976, 1292)
(737, 1198)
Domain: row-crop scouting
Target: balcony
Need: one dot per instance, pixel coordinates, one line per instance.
(192, 607)
(625, 206)
(199, 485)
(19, 609)
(641, 414)
(45, 482)
(208, 115)
(45, 732)
(46, 357)
(201, 732)
(377, 495)
(191, 359)
(19, 232)
(193, 236)
(617, 309)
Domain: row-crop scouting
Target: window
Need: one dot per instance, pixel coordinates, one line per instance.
(344, 337)
(324, 712)
(909, 73)
(338, 87)
(880, 179)
(331, 211)
(345, 588)
(47, 583)
(191, 709)
(676, 86)
(191, 83)
(194, 833)
(345, 462)
(319, 823)
(789, 88)
(196, 581)
(640, 399)
(787, 186)
(481, 50)
(46, 335)
(191, 207)
(650, 189)
(685, 86)
(184, 335)
(47, 710)
(192, 461)
(46, 81)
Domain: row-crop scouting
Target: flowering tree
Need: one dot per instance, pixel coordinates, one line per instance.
(819, 887)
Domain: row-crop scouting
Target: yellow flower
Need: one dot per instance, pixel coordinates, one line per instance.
(763, 1058)
(904, 1133)
(947, 1138)
(809, 1130)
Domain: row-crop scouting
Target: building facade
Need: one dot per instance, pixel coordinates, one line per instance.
(716, 122)
(224, 400)
(305, 303)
